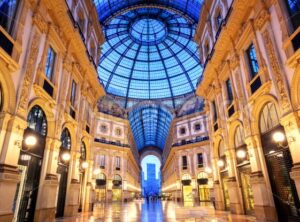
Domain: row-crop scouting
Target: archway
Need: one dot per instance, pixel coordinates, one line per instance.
(30, 163)
(151, 176)
(62, 170)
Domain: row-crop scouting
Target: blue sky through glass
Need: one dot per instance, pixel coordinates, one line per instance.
(150, 159)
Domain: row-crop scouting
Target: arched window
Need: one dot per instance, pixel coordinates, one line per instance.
(186, 177)
(82, 151)
(101, 176)
(37, 120)
(202, 175)
(117, 177)
(239, 136)
(268, 118)
(8, 9)
(65, 139)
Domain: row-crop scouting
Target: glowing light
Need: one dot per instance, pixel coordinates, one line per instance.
(96, 171)
(278, 137)
(221, 163)
(84, 165)
(208, 170)
(241, 154)
(66, 156)
(30, 140)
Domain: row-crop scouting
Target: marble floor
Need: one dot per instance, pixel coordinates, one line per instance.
(157, 211)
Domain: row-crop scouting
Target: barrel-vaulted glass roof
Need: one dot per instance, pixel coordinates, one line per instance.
(150, 125)
(149, 54)
(109, 8)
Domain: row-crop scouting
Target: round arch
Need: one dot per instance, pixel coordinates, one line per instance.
(8, 90)
(216, 143)
(295, 89)
(86, 141)
(154, 151)
(232, 130)
(258, 107)
(71, 129)
(44, 105)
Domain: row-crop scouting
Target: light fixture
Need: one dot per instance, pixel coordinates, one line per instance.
(241, 154)
(30, 140)
(66, 156)
(208, 170)
(84, 165)
(221, 163)
(278, 137)
(96, 171)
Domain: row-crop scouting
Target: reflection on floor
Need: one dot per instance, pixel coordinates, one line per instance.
(154, 212)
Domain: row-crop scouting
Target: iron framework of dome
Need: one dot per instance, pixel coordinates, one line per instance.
(149, 54)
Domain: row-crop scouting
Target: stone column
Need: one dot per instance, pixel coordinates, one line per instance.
(88, 192)
(9, 174)
(264, 209)
(46, 202)
(291, 124)
(219, 198)
(72, 200)
(236, 205)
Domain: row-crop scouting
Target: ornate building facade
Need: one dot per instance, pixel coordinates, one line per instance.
(250, 52)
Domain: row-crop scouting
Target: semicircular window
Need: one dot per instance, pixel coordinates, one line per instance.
(149, 54)
(37, 121)
(65, 139)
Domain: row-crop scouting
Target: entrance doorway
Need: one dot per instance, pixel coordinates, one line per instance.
(30, 164)
(187, 190)
(117, 188)
(279, 164)
(203, 187)
(62, 171)
(101, 187)
(151, 178)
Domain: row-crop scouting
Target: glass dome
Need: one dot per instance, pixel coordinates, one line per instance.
(149, 54)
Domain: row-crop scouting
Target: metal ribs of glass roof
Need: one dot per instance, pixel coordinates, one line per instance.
(150, 125)
(149, 65)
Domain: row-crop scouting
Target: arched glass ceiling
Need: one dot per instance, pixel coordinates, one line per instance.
(149, 54)
(150, 125)
(108, 8)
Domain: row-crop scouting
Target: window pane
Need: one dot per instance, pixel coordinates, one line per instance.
(50, 63)
(229, 90)
(253, 63)
(8, 10)
(73, 93)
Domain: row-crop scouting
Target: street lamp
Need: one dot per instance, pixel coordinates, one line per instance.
(221, 163)
(65, 156)
(96, 171)
(84, 165)
(208, 170)
(241, 154)
(30, 140)
(279, 138)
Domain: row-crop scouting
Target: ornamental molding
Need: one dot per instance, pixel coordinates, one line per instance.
(29, 73)
(262, 19)
(277, 72)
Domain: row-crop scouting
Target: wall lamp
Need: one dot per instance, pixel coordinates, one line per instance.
(279, 138)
